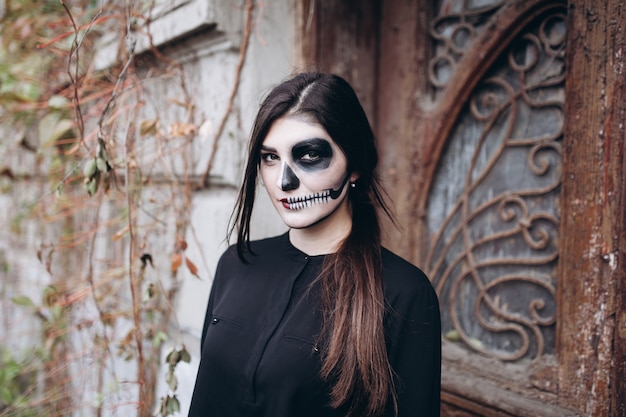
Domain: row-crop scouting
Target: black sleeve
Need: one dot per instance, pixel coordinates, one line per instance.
(415, 352)
(214, 289)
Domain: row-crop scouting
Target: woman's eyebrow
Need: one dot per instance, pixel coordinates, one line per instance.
(267, 148)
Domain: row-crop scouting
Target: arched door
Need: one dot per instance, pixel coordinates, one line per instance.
(492, 201)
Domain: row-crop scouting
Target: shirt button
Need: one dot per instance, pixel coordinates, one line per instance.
(306, 258)
(215, 320)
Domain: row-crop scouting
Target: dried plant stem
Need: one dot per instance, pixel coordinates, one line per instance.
(74, 75)
(231, 99)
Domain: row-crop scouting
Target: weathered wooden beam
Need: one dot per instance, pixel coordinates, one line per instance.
(341, 37)
(592, 291)
(405, 50)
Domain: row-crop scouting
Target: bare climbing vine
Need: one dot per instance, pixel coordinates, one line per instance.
(247, 30)
(96, 150)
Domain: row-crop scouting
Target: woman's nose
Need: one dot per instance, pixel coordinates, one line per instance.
(289, 180)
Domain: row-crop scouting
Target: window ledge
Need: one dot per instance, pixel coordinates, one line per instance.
(173, 22)
(488, 387)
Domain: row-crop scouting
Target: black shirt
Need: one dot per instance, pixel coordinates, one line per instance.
(259, 352)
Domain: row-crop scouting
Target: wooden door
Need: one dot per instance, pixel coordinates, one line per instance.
(507, 195)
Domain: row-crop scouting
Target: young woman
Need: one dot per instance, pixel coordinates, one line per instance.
(321, 321)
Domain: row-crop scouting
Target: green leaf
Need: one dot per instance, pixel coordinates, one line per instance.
(11, 370)
(57, 312)
(22, 300)
(185, 356)
(171, 380)
(57, 102)
(176, 404)
(173, 357)
(159, 338)
(29, 91)
(90, 168)
(172, 405)
(6, 395)
(453, 336)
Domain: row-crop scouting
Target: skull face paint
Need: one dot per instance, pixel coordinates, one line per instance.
(305, 173)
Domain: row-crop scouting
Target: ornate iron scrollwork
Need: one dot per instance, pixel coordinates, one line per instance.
(493, 209)
(453, 30)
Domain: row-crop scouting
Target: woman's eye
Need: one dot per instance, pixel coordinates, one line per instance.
(269, 157)
(310, 156)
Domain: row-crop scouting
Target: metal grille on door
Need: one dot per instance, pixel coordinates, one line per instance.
(493, 209)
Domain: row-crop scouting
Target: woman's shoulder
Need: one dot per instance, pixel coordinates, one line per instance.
(402, 277)
(401, 269)
(261, 250)
(408, 291)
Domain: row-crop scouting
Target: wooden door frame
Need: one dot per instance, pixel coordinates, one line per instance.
(591, 326)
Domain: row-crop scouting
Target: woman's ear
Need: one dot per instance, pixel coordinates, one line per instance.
(353, 179)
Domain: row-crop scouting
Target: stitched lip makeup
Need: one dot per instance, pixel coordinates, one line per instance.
(297, 203)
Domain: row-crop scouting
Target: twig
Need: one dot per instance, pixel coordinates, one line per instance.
(74, 52)
(130, 48)
(242, 57)
(92, 285)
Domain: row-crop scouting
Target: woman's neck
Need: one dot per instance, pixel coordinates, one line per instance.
(325, 237)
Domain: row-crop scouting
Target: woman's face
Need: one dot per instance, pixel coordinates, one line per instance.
(304, 172)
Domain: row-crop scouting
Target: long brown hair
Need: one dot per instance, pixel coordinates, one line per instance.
(355, 355)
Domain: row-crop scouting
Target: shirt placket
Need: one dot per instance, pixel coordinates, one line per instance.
(285, 278)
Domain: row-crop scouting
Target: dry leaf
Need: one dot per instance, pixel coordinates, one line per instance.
(192, 267)
(177, 260)
(179, 130)
(148, 127)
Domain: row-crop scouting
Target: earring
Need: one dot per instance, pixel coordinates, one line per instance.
(352, 185)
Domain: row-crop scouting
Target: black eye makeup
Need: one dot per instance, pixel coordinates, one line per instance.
(312, 154)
